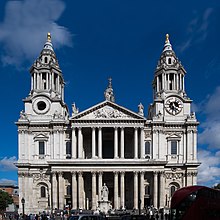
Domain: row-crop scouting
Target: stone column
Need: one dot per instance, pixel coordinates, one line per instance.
(93, 190)
(122, 143)
(135, 143)
(80, 143)
(100, 142)
(122, 189)
(116, 190)
(100, 184)
(135, 189)
(142, 191)
(161, 194)
(61, 190)
(155, 189)
(142, 143)
(195, 145)
(93, 142)
(54, 191)
(73, 143)
(116, 142)
(74, 190)
(80, 189)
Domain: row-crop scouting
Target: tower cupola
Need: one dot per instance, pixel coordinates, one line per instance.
(46, 75)
(169, 73)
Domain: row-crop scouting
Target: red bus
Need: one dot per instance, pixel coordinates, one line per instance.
(195, 203)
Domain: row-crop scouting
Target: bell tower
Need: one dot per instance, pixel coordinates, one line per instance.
(46, 98)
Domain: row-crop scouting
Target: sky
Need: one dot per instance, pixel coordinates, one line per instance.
(121, 39)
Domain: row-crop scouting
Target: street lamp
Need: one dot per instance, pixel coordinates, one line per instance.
(23, 202)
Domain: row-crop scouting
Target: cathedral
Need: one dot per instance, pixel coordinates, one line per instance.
(66, 157)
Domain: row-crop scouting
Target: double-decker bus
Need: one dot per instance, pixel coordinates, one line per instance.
(195, 203)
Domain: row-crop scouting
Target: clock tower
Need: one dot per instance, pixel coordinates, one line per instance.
(172, 126)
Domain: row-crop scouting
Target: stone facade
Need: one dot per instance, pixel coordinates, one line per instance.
(65, 159)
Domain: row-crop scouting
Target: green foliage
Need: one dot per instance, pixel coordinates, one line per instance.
(5, 200)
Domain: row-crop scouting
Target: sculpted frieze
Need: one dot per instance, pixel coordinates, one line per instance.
(40, 177)
(108, 112)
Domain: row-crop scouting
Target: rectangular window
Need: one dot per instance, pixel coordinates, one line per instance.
(68, 149)
(174, 147)
(41, 148)
(147, 147)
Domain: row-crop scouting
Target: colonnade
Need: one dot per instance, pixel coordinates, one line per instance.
(77, 142)
(79, 197)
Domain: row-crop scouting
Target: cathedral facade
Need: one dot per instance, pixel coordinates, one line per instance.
(65, 159)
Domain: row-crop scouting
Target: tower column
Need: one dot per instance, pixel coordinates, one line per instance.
(100, 142)
(136, 190)
(142, 143)
(116, 190)
(73, 143)
(100, 184)
(155, 189)
(74, 190)
(80, 139)
(80, 189)
(54, 192)
(161, 205)
(116, 142)
(135, 143)
(93, 190)
(142, 192)
(122, 180)
(93, 142)
(61, 190)
(122, 142)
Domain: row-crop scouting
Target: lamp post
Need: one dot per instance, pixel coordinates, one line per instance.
(23, 202)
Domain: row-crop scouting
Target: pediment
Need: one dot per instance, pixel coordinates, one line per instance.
(40, 137)
(107, 110)
(174, 136)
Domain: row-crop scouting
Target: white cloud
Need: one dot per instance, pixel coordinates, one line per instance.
(7, 182)
(197, 29)
(208, 171)
(24, 28)
(7, 164)
(210, 107)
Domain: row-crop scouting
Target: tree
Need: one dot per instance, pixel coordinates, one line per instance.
(5, 199)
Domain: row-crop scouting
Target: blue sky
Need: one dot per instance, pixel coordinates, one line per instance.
(119, 38)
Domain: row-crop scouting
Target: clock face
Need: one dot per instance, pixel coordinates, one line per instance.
(173, 105)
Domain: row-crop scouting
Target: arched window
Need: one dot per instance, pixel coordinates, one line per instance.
(45, 59)
(172, 190)
(169, 60)
(43, 191)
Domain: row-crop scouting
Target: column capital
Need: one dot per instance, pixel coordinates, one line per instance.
(93, 173)
(54, 173)
(122, 173)
(116, 128)
(80, 173)
(142, 172)
(100, 173)
(155, 173)
(135, 173)
(115, 172)
(73, 173)
(60, 174)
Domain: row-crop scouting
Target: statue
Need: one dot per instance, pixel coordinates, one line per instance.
(104, 193)
(141, 109)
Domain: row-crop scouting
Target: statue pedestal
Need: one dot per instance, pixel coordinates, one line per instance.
(104, 206)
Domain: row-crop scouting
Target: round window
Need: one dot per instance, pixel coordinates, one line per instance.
(41, 105)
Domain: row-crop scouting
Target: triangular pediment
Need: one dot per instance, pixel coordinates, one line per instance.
(40, 137)
(107, 110)
(174, 136)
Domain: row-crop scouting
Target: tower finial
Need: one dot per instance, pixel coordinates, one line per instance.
(48, 37)
(167, 38)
